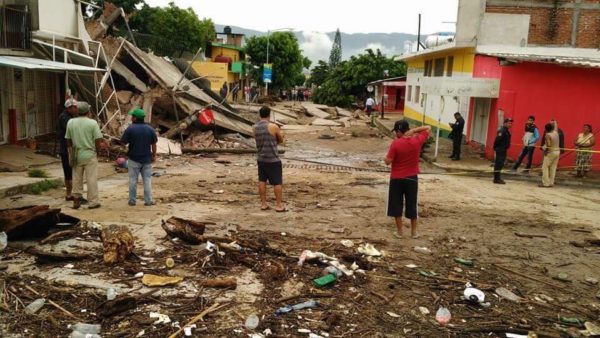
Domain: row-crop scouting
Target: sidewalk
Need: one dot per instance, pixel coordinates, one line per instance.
(20, 160)
(472, 163)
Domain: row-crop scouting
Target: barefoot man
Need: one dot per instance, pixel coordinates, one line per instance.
(404, 155)
(268, 136)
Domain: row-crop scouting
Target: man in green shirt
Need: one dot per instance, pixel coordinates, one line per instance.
(84, 139)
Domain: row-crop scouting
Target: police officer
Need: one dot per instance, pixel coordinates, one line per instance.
(456, 135)
(501, 145)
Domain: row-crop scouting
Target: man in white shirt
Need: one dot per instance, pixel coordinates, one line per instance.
(369, 105)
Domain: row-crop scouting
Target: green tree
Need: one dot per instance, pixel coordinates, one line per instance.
(319, 74)
(177, 29)
(285, 55)
(347, 82)
(335, 57)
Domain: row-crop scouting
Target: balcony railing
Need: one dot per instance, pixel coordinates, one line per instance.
(15, 28)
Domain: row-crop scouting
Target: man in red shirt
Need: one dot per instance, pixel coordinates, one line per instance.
(403, 155)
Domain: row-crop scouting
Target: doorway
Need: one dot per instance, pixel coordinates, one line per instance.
(481, 116)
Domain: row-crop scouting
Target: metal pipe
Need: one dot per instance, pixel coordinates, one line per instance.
(419, 34)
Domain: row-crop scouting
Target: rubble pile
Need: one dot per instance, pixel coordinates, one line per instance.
(258, 283)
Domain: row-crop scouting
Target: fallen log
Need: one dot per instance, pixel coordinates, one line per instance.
(53, 238)
(118, 243)
(30, 221)
(220, 283)
(187, 230)
(223, 151)
(522, 234)
(44, 256)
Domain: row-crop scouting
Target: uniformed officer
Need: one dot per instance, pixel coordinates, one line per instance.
(501, 145)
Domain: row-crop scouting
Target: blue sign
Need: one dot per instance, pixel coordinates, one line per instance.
(267, 73)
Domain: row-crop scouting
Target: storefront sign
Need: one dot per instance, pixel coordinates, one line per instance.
(470, 87)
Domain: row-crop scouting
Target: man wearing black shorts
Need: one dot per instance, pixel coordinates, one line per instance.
(403, 155)
(268, 136)
(64, 117)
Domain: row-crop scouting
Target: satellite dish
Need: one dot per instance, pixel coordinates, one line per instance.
(370, 88)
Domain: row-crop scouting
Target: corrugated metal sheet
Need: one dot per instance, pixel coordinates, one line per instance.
(33, 63)
(561, 60)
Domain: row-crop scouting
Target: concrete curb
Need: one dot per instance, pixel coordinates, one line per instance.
(24, 188)
(518, 177)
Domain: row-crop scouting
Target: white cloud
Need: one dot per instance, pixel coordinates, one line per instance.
(316, 46)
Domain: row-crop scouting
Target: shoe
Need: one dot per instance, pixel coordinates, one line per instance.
(544, 186)
(76, 203)
(94, 206)
(149, 204)
(499, 182)
(397, 235)
(131, 203)
(456, 159)
(83, 201)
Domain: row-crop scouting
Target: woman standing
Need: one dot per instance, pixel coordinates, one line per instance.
(584, 143)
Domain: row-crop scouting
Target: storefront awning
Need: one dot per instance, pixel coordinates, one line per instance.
(40, 64)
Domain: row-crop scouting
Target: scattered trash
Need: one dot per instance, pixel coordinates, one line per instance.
(474, 295)
(69, 266)
(571, 321)
(369, 250)
(462, 261)
(391, 314)
(3, 240)
(117, 242)
(219, 191)
(591, 280)
(169, 262)
(443, 316)
(306, 305)
(35, 306)
(138, 275)
(111, 293)
(161, 319)
(592, 328)
(252, 322)
(154, 280)
(563, 276)
(325, 280)
(507, 294)
(422, 249)
(347, 243)
(411, 266)
(82, 330)
(424, 310)
(516, 335)
(334, 271)
(187, 331)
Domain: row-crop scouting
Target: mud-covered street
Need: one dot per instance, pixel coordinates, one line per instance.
(536, 243)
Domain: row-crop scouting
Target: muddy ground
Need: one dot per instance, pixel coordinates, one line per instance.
(461, 217)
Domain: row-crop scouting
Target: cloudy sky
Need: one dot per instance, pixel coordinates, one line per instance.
(350, 16)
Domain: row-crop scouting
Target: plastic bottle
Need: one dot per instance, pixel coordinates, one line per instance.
(35, 306)
(86, 328)
(443, 316)
(325, 280)
(111, 293)
(332, 270)
(3, 240)
(252, 322)
(308, 304)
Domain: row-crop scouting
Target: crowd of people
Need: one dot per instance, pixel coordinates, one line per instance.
(552, 145)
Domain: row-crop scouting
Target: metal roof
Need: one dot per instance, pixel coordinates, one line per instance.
(40, 64)
(568, 56)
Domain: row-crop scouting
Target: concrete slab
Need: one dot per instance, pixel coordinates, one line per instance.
(323, 122)
(24, 157)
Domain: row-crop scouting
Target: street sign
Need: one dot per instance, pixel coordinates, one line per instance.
(267, 72)
(370, 88)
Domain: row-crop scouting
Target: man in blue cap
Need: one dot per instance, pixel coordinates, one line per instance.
(141, 139)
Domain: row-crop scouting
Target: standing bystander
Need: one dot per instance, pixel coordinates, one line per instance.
(268, 136)
(84, 140)
(501, 145)
(530, 137)
(403, 155)
(551, 150)
(141, 139)
(584, 144)
(64, 117)
(456, 135)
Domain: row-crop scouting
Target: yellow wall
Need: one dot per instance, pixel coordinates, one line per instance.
(463, 61)
(232, 53)
(215, 72)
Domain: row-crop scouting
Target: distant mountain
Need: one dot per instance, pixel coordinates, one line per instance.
(316, 45)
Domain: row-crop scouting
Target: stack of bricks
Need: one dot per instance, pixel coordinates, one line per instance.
(552, 21)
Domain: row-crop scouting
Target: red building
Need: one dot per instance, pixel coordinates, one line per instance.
(391, 92)
(558, 88)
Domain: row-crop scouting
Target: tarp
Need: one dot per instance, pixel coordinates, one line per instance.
(40, 64)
